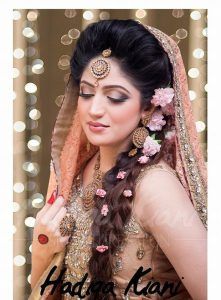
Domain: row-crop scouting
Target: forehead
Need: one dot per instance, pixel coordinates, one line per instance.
(115, 76)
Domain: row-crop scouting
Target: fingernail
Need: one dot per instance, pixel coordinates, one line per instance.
(60, 200)
(51, 200)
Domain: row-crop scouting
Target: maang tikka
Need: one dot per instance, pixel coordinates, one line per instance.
(100, 68)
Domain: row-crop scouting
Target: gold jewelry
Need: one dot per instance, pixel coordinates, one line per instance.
(146, 119)
(90, 189)
(100, 68)
(140, 251)
(67, 225)
(139, 134)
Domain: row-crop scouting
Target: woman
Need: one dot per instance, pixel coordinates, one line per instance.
(127, 214)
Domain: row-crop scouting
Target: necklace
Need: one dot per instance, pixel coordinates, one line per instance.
(90, 190)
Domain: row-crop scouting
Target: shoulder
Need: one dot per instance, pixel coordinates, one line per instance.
(160, 196)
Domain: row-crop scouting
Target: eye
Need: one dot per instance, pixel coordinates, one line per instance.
(85, 95)
(117, 100)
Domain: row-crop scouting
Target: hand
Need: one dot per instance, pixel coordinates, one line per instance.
(47, 222)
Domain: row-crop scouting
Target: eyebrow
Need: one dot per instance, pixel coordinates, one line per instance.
(106, 86)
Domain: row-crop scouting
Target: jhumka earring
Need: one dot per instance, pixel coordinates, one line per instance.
(100, 68)
(140, 134)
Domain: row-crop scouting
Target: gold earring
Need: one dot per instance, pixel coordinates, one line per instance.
(140, 134)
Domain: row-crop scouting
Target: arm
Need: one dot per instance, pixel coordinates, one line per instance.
(166, 211)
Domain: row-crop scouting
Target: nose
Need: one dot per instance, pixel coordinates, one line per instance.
(97, 108)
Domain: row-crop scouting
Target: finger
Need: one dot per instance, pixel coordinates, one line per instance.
(55, 222)
(43, 210)
(52, 211)
(64, 239)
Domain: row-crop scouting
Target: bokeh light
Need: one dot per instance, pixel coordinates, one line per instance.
(177, 13)
(16, 206)
(74, 33)
(181, 33)
(18, 187)
(28, 32)
(88, 15)
(195, 15)
(141, 13)
(66, 40)
(31, 88)
(198, 53)
(19, 260)
(193, 72)
(16, 15)
(32, 15)
(30, 222)
(70, 13)
(34, 114)
(104, 15)
(200, 126)
(19, 126)
(18, 53)
(192, 95)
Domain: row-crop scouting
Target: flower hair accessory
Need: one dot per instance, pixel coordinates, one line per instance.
(121, 174)
(127, 193)
(156, 122)
(101, 248)
(162, 96)
(101, 193)
(104, 210)
(150, 146)
(143, 159)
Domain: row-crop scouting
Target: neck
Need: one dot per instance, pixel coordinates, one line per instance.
(108, 155)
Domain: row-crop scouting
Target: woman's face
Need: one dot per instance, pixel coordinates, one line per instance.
(115, 103)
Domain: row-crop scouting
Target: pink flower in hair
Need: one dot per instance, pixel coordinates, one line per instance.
(101, 248)
(127, 193)
(104, 210)
(168, 110)
(121, 174)
(156, 121)
(150, 147)
(143, 159)
(170, 135)
(101, 193)
(162, 96)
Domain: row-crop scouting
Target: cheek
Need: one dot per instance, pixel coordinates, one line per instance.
(81, 107)
(126, 117)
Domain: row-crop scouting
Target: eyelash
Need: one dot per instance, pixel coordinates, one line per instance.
(112, 99)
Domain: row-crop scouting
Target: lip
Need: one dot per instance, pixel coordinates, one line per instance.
(97, 124)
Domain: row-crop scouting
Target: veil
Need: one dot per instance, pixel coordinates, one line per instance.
(69, 147)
